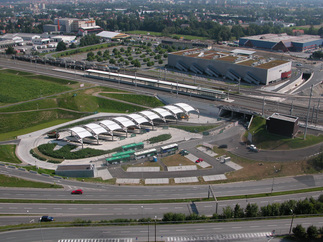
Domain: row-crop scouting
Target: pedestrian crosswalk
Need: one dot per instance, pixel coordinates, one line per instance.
(222, 237)
(97, 240)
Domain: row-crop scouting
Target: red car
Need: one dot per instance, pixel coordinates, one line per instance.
(78, 191)
(199, 160)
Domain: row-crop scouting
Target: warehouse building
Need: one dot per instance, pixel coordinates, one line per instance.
(237, 65)
(282, 42)
(108, 35)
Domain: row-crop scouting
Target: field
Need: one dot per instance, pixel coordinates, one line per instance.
(17, 88)
(26, 115)
(159, 34)
(148, 101)
(7, 154)
(6, 181)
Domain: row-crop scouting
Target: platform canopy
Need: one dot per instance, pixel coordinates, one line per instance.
(187, 108)
(151, 115)
(175, 110)
(110, 125)
(163, 112)
(81, 132)
(95, 128)
(139, 119)
(125, 122)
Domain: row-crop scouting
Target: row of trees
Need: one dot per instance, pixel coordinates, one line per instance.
(306, 206)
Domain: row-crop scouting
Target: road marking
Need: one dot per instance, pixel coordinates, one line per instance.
(236, 227)
(272, 225)
(87, 208)
(217, 228)
(133, 208)
(254, 226)
(72, 208)
(177, 230)
(58, 208)
(42, 208)
(12, 207)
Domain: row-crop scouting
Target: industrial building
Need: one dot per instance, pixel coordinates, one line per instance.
(282, 42)
(71, 25)
(282, 124)
(108, 35)
(237, 65)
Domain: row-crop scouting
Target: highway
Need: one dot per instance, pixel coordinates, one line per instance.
(25, 212)
(173, 232)
(111, 192)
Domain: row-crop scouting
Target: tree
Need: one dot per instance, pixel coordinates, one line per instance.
(10, 50)
(299, 231)
(251, 210)
(61, 46)
(73, 46)
(238, 212)
(312, 232)
(227, 212)
(99, 53)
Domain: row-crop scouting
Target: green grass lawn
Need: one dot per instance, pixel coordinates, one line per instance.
(265, 140)
(189, 37)
(7, 154)
(16, 88)
(6, 181)
(26, 128)
(148, 101)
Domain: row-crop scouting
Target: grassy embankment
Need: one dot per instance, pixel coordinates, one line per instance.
(30, 111)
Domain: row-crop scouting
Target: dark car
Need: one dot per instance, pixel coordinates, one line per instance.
(46, 219)
(224, 146)
(78, 191)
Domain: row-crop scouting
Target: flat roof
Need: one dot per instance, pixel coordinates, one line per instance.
(284, 117)
(283, 37)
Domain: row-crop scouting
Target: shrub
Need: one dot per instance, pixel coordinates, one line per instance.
(299, 231)
(312, 232)
(159, 138)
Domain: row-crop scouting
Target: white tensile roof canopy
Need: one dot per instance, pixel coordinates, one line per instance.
(150, 115)
(125, 122)
(163, 112)
(111, 125)
(81, 132)
(139, 119)
(95, 128)
(186, 107)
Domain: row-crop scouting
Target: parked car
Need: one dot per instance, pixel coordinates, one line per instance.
(199, 160)
(224, 146)
(46, 219)
(253, 148)
(78, 191)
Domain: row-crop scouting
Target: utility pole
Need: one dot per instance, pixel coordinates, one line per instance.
(308, 112)
(239, 87)
(317, 110)
(291, 109)
(263, 107)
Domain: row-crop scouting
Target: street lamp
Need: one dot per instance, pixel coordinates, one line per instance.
(291, 224)
(155, 229)
(272, 187)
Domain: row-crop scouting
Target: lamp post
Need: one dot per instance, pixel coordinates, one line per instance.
(272, 186)
(291, 224)
(155, 229)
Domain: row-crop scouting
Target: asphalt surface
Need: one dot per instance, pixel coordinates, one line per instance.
(172, 232)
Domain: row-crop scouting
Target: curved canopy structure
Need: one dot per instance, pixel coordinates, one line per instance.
(139, 119)
(95, 128)
(81, 132)
(151, 115)
(110, 125)
(187, 108)
(163, 112)
(173, 109)
(125, 122)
